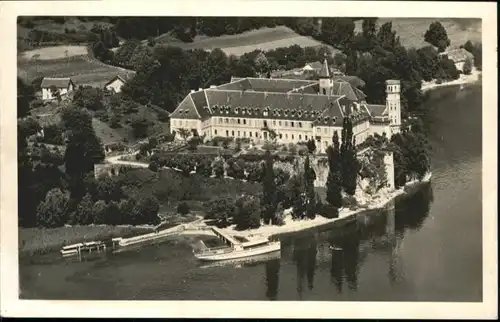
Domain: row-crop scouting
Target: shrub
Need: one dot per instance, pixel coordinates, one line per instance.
(183, 208)
(328, 211)
(153, 166)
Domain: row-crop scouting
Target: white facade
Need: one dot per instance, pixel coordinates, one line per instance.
(393, 103)
(48, 95)
(115, 85)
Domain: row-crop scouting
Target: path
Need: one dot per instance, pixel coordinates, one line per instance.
(116, 160)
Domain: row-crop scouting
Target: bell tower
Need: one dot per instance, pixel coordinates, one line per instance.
(393, 104)
(325, 82)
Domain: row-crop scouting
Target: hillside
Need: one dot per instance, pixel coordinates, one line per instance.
(411, 30)
(264, 39)
(67, 61)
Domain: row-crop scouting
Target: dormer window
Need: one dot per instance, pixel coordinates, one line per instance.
(292, 113)
(236, 110)
(334, 119)
(299, 114)
(266, 111)
(249, 111)
(286, 113)
(327, 119)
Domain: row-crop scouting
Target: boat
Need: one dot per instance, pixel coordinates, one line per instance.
(241, 262)
(335, 248)
(249, 248)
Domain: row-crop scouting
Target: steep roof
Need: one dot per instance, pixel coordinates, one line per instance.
(186, 109)
(459, 55)
(346, 89)
(57, 82)
(353, 80)
(117, 77)
(325, 71)
(314, 65)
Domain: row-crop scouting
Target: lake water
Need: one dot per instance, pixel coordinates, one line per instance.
(426, 248)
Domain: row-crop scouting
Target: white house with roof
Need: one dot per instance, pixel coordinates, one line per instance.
(51, 84)
(459, 57)
(296, 110)
(115, 84)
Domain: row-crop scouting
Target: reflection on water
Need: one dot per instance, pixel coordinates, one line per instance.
(381, 235)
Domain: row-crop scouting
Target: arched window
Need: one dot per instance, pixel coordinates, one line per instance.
(324, 91)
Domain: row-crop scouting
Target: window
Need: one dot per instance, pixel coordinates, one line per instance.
(227, 133)
(324, 91)
(227, 120)
(306, 137)
(286, 136)
(215, 132)
(279, 123)
(239, 121)
(256, 134)
(232, 133)
(281, 136)
(286, 123)
(238, 133)
(292, 124)
(244, 133)
(250, 134)
(236, 110)
(244, 121)
(300, 137)
(292, 137)
(274, 123)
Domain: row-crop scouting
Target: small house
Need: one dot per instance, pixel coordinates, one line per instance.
(51, 85)
(312, 67)
(459, 56)
(115, 84)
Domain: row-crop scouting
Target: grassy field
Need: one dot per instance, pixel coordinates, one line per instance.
(411, 30)
(264, 39)
(81, 68)
(43, 240)
(54, 52)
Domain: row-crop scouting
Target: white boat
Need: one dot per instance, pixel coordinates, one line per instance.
(239, 250)
(240, 262)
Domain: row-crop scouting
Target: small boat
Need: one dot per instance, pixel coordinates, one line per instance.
(239, 250)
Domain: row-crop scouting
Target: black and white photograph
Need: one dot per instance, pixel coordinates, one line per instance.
(251, 157)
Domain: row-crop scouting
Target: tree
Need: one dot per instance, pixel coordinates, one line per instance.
(269, 199)
(25, 94)
(83, 148)
(108, 190)
(437, 36)
(310, 195)
(349, 163)
(247, 213)
(52, 212)
(99, 212)
(83, 213)
(467, 69)
(182, 208)
(296, 196)
(221, 210)
(184, 133)
(89, 98)
(140, 126)
(334, 179)
(146, 211)
(311, 146)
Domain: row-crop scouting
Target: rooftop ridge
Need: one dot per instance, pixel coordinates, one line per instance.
(272, 93)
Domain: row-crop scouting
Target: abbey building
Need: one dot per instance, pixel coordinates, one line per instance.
(289, 110)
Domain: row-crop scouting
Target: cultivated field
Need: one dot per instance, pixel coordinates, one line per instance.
(264, 39)
(411, 30)
(82, 69)
(54, 52)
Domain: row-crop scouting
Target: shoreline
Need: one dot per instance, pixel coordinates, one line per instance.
(463, 80)
(345, 215)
